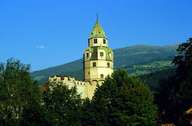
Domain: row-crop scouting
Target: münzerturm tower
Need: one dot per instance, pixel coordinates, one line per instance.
(98, 57)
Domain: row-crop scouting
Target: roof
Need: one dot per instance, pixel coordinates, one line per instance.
(97, 31)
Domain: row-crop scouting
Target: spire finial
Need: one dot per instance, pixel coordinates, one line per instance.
(97, 30)
(97, 17)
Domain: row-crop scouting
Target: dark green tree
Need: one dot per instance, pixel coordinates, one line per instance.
(183, 63)
(17, 92)
(34, 115)
(62, 105)
(123, 101)
(175, 95)
(88, 115)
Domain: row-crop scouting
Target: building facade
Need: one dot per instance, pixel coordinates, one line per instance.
(97, 64)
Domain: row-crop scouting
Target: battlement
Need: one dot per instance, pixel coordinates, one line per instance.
(84, 89)
(67, 80)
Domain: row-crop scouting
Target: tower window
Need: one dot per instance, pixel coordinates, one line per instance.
(108, 65)
(95, 41)
(94, 64)
(101, 75)
(101, 54)
(104, 41)
(87, 55)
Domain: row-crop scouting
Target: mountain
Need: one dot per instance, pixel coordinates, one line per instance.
(138, 60)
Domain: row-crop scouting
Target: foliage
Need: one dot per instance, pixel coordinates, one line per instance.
(17, 92)
(34, 115)
(183, 62)
(176, 90)
(62, 106)
(156, 66)
(153, 79)
(88, 116)
(122, 101)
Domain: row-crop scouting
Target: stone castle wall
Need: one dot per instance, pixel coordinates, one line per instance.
(85, 89)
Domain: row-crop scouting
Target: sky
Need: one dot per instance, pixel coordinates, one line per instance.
(46, 33)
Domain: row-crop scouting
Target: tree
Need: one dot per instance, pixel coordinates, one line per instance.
(17, 91)
(34, 115)
(183, 63)
(88, 116)
(123, 101)
(62, 105)
(175, 94)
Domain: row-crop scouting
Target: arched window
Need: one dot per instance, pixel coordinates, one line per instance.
(101, 54)
(94, 64)
(108, 65)
(101, 75)
(95, 41)
(104, 41)
(87, 55)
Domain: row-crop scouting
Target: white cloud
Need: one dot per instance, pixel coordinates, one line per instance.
(40, 47)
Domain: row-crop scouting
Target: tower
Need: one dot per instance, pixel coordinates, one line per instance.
(98, 57)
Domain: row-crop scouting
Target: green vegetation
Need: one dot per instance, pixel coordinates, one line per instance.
(18, 92)
(62, 106)
(123, 100)
(175, 94)
(151, 67)
(133, 58)
(153, 79)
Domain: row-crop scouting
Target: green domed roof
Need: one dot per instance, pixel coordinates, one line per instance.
(97, 31)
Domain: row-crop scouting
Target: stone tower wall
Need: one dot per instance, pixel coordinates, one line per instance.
(100, 72)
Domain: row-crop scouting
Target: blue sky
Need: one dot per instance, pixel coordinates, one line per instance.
(46, 33)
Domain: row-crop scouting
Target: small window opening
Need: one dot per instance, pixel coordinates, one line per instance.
(94, 64)
(104, 41)
(95, 41)
(101, 54)
(108, 65)
(87, 55)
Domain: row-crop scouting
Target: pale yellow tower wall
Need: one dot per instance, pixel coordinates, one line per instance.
(94, 73)
(99, 42)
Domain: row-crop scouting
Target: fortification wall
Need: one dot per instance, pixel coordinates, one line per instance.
(85, 89)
